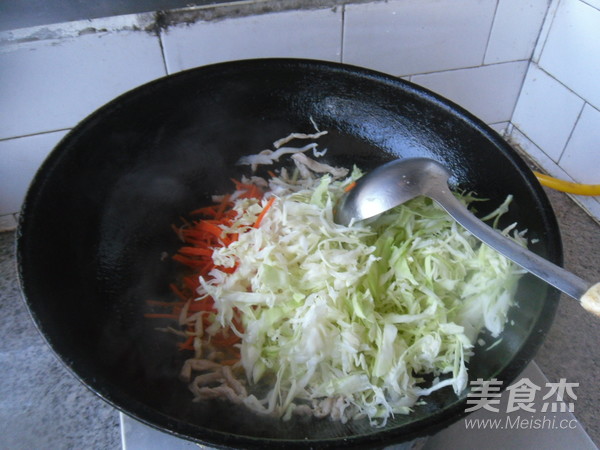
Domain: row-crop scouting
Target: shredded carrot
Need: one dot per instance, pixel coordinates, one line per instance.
(191, 283)
(187, 261)
(188, 344)
(201, 306)
(195, 251)
(209, 211)
(165, 304)
(160, 316)
(200, 238)
(222, 207)
(350, 187)
(210, 227)
(248, 190)
(228, 269)
(222, 341)
(178, 292)
(263, 213)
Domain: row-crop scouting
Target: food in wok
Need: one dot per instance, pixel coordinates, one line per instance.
(288, 313)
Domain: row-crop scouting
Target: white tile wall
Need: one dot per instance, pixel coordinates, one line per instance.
(417, 36)
(515, 31)
(572, 50)
(489, 92)
(312, 34)
(581, 158)
(51, 85)
(474, 52)
(546, 112)
(21, 158)
(543, 35)
(557, 113)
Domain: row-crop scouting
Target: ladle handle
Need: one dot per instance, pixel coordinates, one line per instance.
(570, 284)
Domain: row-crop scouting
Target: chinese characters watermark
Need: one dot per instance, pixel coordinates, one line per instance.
(521, 396)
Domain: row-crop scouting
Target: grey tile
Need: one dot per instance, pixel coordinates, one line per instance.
(41, 404)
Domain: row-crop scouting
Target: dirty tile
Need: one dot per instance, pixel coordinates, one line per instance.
(312, 34)
(522, 142)
(517, 24)
(590, 204)
(546, 112)
(21, 159)
(489, 92)
(499, 127)
(417, 36)
(572, 51)
(581, 158)
(53, 84)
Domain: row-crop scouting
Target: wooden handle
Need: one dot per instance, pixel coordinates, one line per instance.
(591, 299)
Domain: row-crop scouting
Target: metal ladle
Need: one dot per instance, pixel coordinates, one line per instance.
(401, 180)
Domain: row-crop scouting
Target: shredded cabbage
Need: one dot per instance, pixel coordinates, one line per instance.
(347, 319)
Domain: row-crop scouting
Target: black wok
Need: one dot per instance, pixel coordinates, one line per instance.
(98, 216)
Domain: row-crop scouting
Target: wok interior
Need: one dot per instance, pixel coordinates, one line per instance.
(98, 217)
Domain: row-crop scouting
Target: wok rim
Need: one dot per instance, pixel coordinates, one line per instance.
(123, 402)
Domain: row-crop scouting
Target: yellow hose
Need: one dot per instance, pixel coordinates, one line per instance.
(567, 186)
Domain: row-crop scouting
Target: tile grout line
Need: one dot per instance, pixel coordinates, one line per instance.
(590, 4)
(455, 69)
(489, 37)
(543, 34)
(512, 113)
(540, 44)
(162, 49)
(571, 133)
(571, 91)
(541, 150)
(555, 170)
(563, 171)
(38, 133)
(562, 84)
